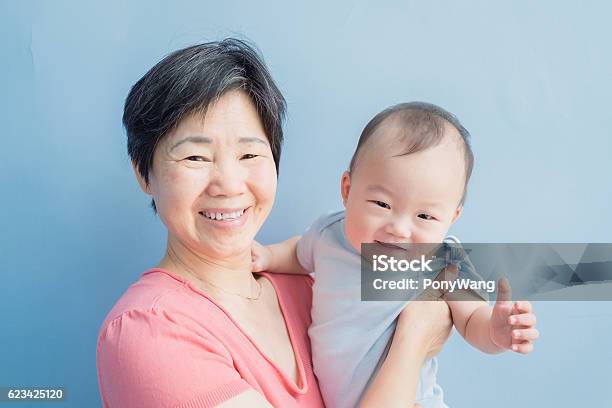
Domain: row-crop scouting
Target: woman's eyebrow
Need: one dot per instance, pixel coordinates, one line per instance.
(251, 140)
(192, 139)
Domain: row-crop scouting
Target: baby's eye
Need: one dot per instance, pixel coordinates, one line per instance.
(426, 217)
(381, 204)
(197, 158)
(248, 156)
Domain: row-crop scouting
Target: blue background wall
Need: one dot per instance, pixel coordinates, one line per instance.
(531, 82)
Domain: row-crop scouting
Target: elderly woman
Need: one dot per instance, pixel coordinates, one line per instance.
(200, 329)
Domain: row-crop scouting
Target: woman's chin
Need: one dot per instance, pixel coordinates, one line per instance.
(226, 249)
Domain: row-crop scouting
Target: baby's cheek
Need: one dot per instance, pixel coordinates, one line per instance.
(354, 231)
(435, 235)
(370, 230)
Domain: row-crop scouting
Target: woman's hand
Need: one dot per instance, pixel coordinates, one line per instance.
(426, 324)
(427, 319)
(422, 329)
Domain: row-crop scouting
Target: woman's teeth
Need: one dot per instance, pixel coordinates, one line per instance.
(223, 216)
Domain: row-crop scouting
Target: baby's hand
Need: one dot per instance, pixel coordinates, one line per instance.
(512, 323)
(261, 257)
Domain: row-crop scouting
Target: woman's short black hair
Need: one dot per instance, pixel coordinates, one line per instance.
(189, 81)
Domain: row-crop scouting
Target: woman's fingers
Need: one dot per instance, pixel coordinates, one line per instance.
(449, 273)
(525, 334)
(525, 319)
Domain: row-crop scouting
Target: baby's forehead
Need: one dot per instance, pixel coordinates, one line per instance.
(396, 136)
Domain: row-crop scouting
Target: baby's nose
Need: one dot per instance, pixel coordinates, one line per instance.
(401, 231)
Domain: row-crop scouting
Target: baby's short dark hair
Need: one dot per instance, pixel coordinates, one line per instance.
(425, 124)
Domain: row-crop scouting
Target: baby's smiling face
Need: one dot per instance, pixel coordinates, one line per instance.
(413, 198)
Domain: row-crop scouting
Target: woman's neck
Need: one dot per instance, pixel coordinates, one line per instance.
(227, 277)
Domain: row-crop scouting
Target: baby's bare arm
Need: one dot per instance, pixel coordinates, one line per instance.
(278, 258)
(508, 325)
(472, 318)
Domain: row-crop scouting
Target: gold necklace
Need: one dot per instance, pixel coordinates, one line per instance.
(227, 291)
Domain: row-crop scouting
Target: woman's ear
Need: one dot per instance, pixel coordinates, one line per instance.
(458, 213)
(141, 181)
(345, 186)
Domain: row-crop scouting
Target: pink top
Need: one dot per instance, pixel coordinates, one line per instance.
(168, 344)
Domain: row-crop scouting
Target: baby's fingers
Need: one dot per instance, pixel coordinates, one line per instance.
(256, 266)
(523, 348)
(525, 334)
(525, 319)
(523, 306)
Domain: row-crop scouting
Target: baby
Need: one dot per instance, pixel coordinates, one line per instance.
(406, 183)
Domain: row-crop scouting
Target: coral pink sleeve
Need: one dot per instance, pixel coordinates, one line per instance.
(148, 359)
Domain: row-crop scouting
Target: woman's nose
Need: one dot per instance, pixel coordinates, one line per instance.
(227, 179)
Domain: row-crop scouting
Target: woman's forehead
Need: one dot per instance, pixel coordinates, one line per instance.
(199, 130)
(232, 107)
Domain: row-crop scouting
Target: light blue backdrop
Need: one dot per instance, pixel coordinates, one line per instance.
(531, 81)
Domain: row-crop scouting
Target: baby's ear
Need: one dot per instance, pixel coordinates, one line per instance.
(457, 214)
(345, 186)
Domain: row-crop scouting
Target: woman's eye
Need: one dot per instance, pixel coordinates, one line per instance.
(381, 204)
(426, 217)
(248, 156)
(197, 158)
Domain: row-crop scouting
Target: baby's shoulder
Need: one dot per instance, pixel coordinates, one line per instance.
(327, 221)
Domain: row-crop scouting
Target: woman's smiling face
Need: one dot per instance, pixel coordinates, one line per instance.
(213, 178)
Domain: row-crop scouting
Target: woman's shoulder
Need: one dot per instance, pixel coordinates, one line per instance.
(160, 297)
(156, 291)
(157, 343)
